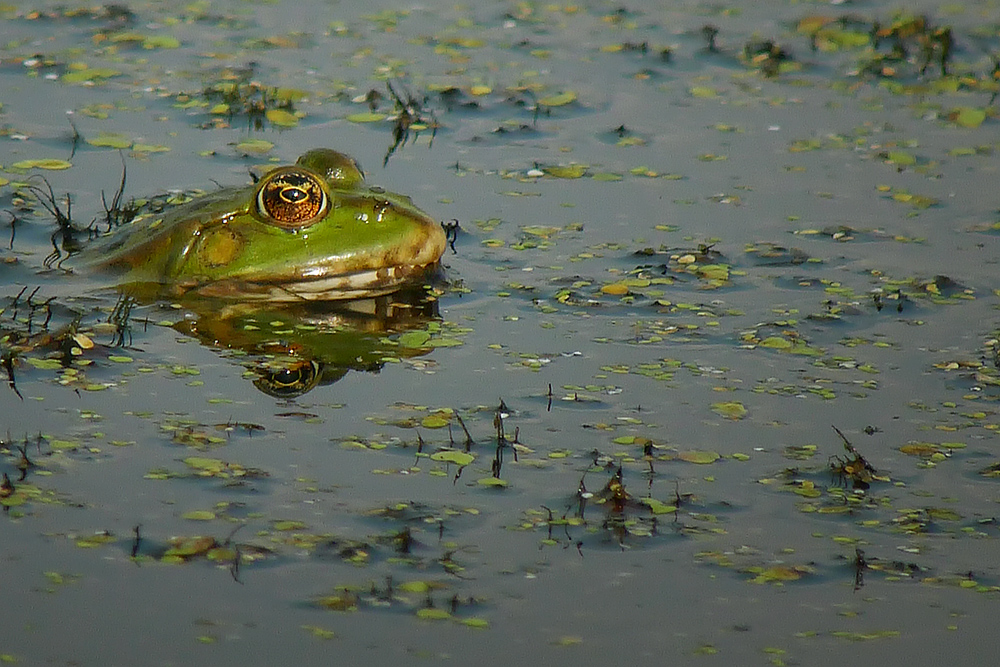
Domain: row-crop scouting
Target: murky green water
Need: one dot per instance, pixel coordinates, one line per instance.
(671, 261)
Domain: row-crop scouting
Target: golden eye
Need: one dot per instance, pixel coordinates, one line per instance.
(291, 198)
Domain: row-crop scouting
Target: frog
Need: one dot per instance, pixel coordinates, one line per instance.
(311, 231)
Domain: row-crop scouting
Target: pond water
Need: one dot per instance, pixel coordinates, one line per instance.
(693, 238)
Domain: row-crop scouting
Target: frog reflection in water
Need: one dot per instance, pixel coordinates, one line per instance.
(294, 348)
(268, 269)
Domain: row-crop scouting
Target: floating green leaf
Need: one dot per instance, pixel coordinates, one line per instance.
(366, 117)
(657, 506)
(43, 163)
(417, 586)
(85, 74)
(208, 465)
(559, 100)
(779, 573)
(436, 420)
(776, 343)
(95, 540)
(254, 146)
(414, 339)
(730, 409)
(567, 171)
(282, 118)
(161, 42)
(969, 117)
(700, 456)
(901, 158)
(453, 456)
(288, 525)
(184, 547)
(150, 148)
(110, 140)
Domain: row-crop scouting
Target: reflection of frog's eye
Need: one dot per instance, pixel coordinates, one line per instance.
(291, 199)
(294, 379)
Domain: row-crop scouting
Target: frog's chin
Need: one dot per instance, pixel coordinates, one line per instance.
(339, 287)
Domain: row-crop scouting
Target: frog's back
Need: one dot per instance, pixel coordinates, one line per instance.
(148, 248)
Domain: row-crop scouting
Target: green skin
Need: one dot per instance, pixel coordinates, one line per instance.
(365, 242)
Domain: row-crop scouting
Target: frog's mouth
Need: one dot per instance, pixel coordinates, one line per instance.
(352, 285)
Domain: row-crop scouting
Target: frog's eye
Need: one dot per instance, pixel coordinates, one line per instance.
(291, 199)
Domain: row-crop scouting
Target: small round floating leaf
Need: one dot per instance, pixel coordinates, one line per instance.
(366, 117)
(698, 456)
(414, 339)
(567, 171)
(559, 100)
(282, 118)
(44, 163)
(189, 546)
(254, 146)
(780, 573)
(289, 524)
(434, 421)
(89, 74)
(110, 140)
(776, 342)
(475, 622)
(922, 449)
(702, 91)
(807, 490)
(95, 540)
(969, 117)
(902, 158)
(658, 506)
(221, 554)
(161, 42)
(492, 481)
(615, 289)
(150, 148)
(344, 602)
(714, 271)
(198, 515)
(730, 409)
(206, 464)
(415, 586)
(433, 614)
(943, 514)
(84, 341)
(453, 456)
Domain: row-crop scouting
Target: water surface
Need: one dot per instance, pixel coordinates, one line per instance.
(671, 262)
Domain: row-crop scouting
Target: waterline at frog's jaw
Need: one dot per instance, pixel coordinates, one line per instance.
(356, 285)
